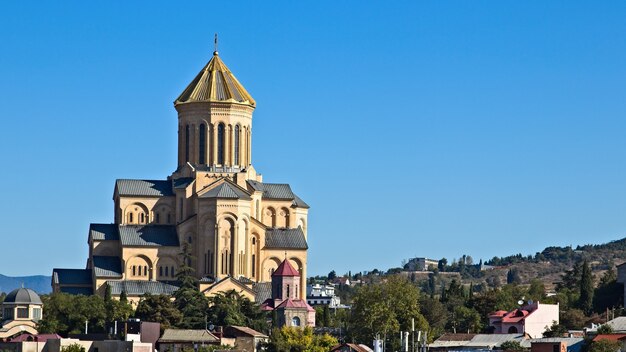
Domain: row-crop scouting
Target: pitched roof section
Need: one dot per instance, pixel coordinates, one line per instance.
(285, 238)
(137, 287)
(71, 276)
(103, 232)
(277, 191)
(148, 235)
(285, 269)
(187, 335)
(183, 182)
(145, 188)
(215, 83)
(263, 291)
(226, 191)
(107, 266)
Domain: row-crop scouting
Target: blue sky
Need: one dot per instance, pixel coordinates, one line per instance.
(411, 128)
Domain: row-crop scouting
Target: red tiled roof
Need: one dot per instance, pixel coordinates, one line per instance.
(295, 303)
(515, 316)
(611, 337)
(39, 338)
(286, 269)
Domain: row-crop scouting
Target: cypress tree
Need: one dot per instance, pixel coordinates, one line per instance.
(585, 302)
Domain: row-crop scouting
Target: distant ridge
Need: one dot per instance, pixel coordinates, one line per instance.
(38, 283)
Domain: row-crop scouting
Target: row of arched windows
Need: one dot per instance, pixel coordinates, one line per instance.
(220, 145)
(139, 270)
(139, 215)
(167, 271)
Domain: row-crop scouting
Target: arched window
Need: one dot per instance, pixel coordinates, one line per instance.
(157, 218)
(512, 330)
(142, 218)
(134, 270)
(295, 321)
(187, 143)
(130, 218)
(172, 271)
(237, 130)
(161, 271)
(167, 271)
(220, 144)
(202, 145)
(145, 271)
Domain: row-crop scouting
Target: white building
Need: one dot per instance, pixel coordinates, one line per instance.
(322, 295)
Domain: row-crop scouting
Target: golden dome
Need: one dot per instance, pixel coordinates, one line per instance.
(215, 83)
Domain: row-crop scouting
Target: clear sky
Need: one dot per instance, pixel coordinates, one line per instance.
(411, 128)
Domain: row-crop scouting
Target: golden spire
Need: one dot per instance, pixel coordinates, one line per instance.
(215, 83)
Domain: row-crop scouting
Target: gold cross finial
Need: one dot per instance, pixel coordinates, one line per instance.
(215, 43)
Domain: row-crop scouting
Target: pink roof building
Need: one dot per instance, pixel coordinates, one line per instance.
(532, 319)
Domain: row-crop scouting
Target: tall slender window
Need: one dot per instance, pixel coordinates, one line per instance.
(237, 130)
(202, 145)
(220, 144)
(187, 143)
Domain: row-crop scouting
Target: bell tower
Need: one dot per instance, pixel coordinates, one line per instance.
(215, 120)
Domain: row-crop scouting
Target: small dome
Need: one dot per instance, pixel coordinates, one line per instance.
(23, 296)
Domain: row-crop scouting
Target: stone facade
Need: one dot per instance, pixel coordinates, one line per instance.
(236, 226)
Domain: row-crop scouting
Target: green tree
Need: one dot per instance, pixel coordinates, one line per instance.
(573, 319)
(571, 278)
(537, 290)
(188, 299)
(231, 308)
(66, 314)
(332, 275)
(555, 330)
(299, 340)
(386, 309)
(585, 302)
(158, 309)
(435, 314)
(73, 348)
(511, 346)
(513, 277)
(605, 329)
(605, 345)
(466, 320)
(609, 293)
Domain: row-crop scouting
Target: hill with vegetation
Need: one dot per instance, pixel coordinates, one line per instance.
(38, 283)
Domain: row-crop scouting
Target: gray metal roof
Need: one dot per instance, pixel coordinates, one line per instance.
(618, 324)
(183, 182)
(298, 202)
(72, 276)
(138, 288)
(187, 335)
(148, 235)
(103, 232)
(263, 291)
(273, 190)
(285, 238)
(226, 191)
(487, 341)
(24, 296)
(146, 188)
(278, 191)
(107, 266)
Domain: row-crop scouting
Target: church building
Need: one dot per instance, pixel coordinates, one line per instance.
(238, 227)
